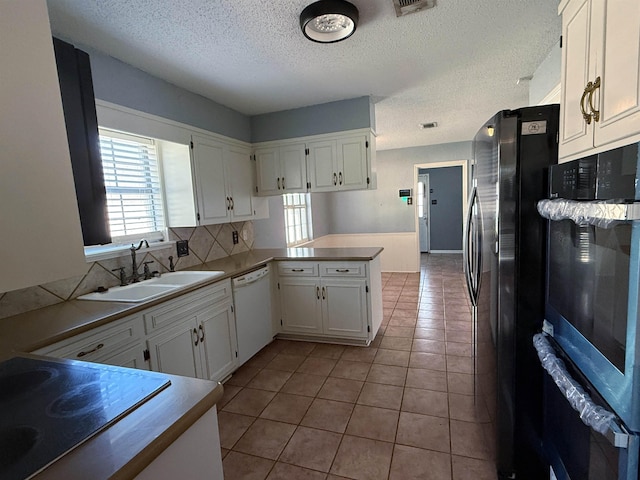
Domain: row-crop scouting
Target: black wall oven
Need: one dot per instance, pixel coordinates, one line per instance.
(591, 310)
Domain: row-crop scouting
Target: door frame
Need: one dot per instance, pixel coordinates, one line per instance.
(465, 193)
(427, 208)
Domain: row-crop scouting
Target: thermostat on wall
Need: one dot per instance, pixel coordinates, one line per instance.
(405, 192)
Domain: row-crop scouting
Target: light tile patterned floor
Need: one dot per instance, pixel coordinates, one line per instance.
(399, 409)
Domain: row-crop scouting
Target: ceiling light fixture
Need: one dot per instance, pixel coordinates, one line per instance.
(329, 21)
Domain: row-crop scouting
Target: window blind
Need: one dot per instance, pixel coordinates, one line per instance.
(132, 182)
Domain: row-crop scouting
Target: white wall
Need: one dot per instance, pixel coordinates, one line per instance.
(544, 87)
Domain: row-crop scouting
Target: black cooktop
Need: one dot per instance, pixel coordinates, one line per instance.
(48, 407)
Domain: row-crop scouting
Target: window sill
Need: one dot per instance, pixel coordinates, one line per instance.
(106, 252)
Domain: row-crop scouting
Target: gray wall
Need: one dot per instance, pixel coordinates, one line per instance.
(446, 214)
(314, 120)
(381, 210)
(546, 76)
(120, 83)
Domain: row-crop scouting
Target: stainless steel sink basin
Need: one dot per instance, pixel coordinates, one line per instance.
(136, 292)
(184, 278)
(149, 289)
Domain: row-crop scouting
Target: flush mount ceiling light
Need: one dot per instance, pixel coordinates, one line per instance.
(329, 21)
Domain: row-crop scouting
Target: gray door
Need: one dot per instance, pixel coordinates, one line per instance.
(422, 199)
(445, 208)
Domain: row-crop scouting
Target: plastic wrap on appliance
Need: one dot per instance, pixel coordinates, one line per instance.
(600, 213)
(591, 414)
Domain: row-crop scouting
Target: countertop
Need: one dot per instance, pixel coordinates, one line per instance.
(125, 448)
(30, 331)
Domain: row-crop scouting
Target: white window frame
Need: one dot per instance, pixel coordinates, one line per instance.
(152, 235)
(297, 218)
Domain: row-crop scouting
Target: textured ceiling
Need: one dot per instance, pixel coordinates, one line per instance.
(455, 64)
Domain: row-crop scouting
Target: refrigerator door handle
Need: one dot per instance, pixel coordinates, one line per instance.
(472, 249)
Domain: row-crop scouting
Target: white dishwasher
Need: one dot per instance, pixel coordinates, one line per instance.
(252, 299)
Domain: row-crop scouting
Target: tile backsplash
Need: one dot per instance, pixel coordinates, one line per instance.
(206, 244)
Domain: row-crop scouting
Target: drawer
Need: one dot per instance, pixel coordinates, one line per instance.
(343, 269)
(298, 269)
(95, 344)
(179, 308)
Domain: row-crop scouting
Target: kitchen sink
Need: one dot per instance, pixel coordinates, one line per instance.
(136, 292)
(155, 287)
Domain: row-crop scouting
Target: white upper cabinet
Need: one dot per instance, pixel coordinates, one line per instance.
(341, 164)
(215, 185)
(281, 169)
(600, 76)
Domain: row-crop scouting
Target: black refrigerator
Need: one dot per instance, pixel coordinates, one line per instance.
(504, 260)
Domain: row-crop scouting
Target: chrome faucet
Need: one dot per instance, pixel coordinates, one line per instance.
(135, 276)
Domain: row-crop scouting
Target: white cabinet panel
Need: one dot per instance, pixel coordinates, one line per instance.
(352, 163)
(241, 182)
(300, 308)
(176, 351)
(344, 307)
(281, 169)
(218, 340)
(323, 166)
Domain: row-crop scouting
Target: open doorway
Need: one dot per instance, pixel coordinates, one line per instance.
(441, 203)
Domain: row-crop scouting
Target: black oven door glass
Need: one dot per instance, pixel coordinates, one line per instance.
(589, 282)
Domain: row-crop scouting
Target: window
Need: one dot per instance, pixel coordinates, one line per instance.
(132, 183)
(297, 218)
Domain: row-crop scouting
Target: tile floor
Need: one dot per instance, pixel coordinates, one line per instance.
(401, 408)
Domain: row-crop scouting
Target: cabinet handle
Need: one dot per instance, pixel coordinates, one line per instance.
(201, 328)
(232, 203)
(588, 90)
(594, 113)
(297, 269)
(283, 187)
(335, 179)
(228, 204)
(83, 353)
(324, 293)
(195, 332)
(340, 176)
(318, 292)
(342, 270)
(278, 183)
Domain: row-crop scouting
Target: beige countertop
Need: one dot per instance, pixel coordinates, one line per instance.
(30, 331)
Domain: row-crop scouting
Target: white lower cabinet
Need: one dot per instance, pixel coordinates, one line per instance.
(331, 300)
(194, 335)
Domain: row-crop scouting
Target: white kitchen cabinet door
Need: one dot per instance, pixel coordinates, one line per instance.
(619, 69)
(322, 164)
(176, 350)
(352, 163)
(601, 43)
(211, 191)
(268, 171)
(575, 135)
(300, 306)
(241, 174)
(217, 330)
(293, 168)
(344, 307)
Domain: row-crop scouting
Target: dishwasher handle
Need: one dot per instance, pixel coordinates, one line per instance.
(251, 277)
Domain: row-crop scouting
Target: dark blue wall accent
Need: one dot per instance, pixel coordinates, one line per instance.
(313, 120)
(446, 215)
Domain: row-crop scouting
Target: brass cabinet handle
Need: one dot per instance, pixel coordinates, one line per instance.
(324, 293)
(594, 113)
(335, 179)
(201, 328)
(586, 116)
(278, 183)
(195, 332)
(340, 176)
(83, 353)
(318, 292)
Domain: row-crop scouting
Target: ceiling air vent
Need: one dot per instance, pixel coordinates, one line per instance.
(405, 7)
